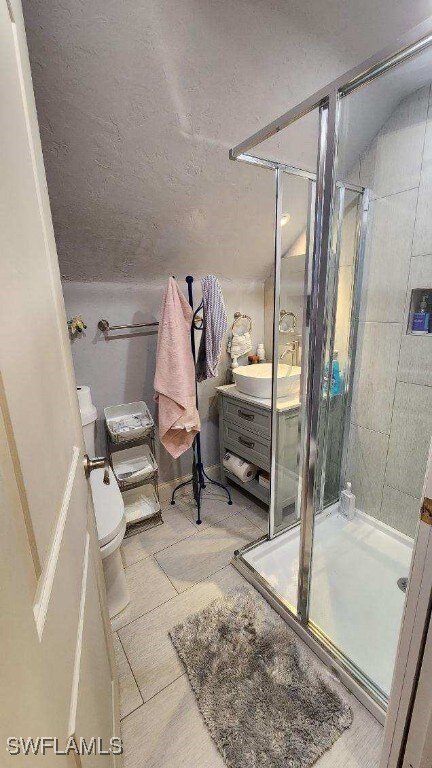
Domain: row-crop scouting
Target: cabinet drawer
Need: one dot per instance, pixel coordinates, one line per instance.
(248, 445)
(248, 416)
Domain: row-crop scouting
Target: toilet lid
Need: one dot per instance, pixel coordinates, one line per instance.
(108, 506)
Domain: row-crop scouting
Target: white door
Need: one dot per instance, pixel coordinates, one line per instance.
(418, 749)
(57, 669)
(417, 743)
(408, 729)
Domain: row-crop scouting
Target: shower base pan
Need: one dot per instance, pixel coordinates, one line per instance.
(355, 601)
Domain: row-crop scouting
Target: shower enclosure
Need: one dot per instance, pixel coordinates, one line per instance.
(352, 176)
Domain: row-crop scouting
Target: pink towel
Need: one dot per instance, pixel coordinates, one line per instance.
(174, 380)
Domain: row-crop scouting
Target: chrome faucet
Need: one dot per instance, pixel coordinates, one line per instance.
(292, 347)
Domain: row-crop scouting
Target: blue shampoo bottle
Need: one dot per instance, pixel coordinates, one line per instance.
(335, 385)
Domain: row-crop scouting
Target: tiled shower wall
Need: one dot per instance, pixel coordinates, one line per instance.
(391, 419)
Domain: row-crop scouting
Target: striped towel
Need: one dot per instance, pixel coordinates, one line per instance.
(214, 329)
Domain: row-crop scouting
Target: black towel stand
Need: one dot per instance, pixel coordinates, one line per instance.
(199, 475)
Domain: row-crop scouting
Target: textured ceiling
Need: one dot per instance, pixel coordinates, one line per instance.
(140, 100)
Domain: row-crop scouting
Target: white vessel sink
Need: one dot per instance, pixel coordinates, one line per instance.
(256, 380)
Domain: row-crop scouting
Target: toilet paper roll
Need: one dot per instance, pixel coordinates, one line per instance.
(239, 467)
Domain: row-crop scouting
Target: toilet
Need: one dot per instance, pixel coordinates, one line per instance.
(109, 512)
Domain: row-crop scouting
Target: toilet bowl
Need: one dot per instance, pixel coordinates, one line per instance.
(111, 528)
(109, 511)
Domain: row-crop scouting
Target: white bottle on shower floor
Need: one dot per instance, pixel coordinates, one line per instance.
(347, 503)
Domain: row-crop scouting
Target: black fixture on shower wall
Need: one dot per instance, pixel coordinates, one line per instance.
(199, 477)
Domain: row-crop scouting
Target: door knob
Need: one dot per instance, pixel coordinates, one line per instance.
(99, 462)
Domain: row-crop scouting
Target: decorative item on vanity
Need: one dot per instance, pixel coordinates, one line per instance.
(261, 353)
(199, 479)
(109, 509)
(128, 428)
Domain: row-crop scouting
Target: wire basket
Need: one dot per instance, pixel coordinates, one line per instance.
(134, 467)
(128, 422)
(140, 504)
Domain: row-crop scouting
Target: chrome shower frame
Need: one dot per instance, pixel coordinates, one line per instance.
(327, 101)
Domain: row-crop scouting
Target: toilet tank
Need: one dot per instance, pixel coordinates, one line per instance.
(88, 418)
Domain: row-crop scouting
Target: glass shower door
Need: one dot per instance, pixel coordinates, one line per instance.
(339, 557)
(363, 535)
(290, 341)
(343, 283)
(287, 293)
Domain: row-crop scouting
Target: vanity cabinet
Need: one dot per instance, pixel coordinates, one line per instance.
(245, 430)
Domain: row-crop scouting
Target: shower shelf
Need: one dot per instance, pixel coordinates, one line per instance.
(417, 295)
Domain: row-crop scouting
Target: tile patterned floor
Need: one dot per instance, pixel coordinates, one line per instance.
(173, 571)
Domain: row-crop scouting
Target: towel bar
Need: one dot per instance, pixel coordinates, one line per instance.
(104, 326)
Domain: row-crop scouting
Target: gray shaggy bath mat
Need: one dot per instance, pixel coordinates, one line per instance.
(264, 697)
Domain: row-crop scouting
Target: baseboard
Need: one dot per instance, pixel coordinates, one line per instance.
(166, 489)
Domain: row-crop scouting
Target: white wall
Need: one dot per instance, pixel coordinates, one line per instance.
(121, 369)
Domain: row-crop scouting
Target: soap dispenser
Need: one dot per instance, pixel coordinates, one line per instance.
(347, 503)
(335, 385)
